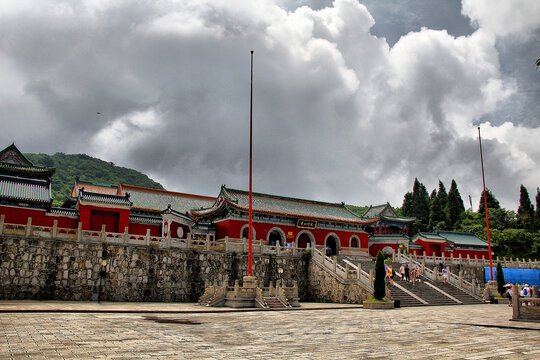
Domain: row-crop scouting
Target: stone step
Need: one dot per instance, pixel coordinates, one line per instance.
(274, 303)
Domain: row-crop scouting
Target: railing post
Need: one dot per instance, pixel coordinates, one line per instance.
(207, 241)
(347, 269)
(147, 237)
(54, 229)
(473, 282)
(226, 244)
(126, 234)
(103, 235)
(335, 262)
(468, 259)
(371, 277)
(79, 231)
(28, 231)
(359, 270)
(2, 219)
(244, 244)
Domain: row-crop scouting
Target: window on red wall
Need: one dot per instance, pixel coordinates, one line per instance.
(108, 218)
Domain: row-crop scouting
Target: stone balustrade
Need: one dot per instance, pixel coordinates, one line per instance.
(195, 242)
(479, 262)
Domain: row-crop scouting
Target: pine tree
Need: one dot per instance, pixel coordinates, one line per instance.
(379, 285)
(525, 213)
(492, 202)
(536, 220)
(407, 204)
(420, 202)
(437, 215)
(454, 207)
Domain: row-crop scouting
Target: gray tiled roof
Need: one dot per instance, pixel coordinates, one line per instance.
(460, 238)
(104, 198)
(159, 199)
(24, 190)
(292, 206)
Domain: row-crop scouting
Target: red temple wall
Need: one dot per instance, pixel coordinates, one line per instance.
(85, 216)
(140, 229)
(232, 229)
(20, 215)
(375, 248)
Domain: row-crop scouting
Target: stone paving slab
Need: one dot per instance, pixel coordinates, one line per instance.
(438, 332)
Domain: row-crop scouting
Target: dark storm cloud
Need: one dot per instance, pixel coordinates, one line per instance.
(339, 113)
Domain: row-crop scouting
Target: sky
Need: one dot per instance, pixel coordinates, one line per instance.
(352, 100)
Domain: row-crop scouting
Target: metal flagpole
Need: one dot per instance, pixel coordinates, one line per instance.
(250, 257)
(485, 204)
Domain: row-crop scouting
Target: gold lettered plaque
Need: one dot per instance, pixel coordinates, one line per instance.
(306, 224)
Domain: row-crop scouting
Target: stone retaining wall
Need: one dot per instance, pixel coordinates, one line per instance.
(54, 269)
(327, 287)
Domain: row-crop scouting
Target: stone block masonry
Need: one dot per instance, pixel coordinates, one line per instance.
(61, 269)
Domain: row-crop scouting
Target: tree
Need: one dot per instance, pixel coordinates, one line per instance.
(454, 206)
(437, 214)
(525, 213)
(500, 278)
(537, 213)
(407, 204)
(420, 205)
(379, 285)
(492, 202)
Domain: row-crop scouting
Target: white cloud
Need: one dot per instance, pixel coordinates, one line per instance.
(338, 114)
(504, 17)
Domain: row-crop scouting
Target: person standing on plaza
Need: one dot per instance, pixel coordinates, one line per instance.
(402, 272)
(407, 273)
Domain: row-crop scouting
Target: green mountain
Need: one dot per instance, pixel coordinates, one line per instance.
(87, 168)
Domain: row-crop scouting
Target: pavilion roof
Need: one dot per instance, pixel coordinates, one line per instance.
(281, 205)
(386, 212)
(158, 200)
(13, 162)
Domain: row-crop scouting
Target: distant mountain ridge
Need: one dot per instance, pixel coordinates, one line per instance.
(87, 168)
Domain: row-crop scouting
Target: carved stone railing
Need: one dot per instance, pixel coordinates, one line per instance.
(350, 273)
(525, 308)
(196, 242)
(479, 262)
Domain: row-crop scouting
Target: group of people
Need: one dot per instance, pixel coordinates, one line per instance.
(526, 291)
(411, 275)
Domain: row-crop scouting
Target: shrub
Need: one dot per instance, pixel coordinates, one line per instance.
(379, 286)
(500, 278)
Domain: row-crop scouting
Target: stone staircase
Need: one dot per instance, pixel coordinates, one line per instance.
(462, 296)
(427, 291)
(273, 303)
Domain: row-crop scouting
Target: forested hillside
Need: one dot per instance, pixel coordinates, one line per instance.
(87, 168)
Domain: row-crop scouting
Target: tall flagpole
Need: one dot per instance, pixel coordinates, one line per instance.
(485, 204)
(250, 257)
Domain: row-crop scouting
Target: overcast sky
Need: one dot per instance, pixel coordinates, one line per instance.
(352, 99)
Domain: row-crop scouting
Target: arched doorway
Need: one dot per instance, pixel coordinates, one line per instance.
(304, 241)
(244, 233)
(355, 243)
(275, 237)
(332, 244)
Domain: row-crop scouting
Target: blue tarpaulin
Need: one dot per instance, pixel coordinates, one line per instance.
(529, 276)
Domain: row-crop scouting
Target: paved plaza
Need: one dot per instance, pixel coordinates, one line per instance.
(186, 331)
